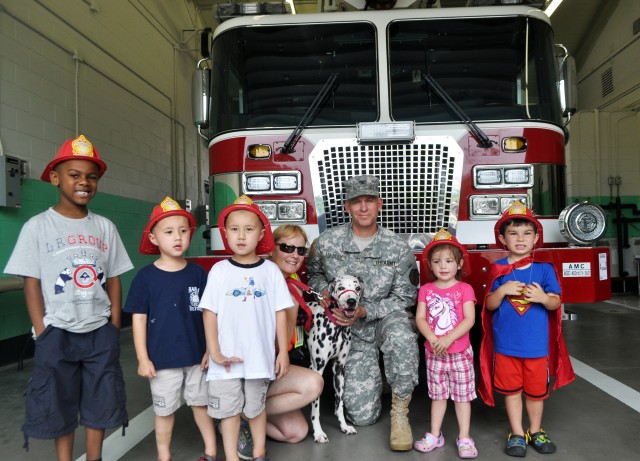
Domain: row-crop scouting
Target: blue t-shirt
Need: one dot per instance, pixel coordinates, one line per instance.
(175, 331)
(520, 328)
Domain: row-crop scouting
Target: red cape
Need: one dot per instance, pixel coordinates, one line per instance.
(559, 362)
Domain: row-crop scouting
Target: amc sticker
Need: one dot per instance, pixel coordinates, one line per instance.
(576, 269)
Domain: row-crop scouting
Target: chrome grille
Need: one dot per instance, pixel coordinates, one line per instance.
(419, 182)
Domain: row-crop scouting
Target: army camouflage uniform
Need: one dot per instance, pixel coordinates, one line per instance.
(388, 269)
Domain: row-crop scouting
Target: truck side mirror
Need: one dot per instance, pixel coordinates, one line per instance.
(567, 83)
(200, 96)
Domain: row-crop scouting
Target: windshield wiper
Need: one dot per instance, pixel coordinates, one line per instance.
(481, 137)
(309, 114)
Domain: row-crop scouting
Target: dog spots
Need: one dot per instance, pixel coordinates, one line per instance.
(329, 342)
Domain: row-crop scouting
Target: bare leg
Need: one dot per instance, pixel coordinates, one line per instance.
(438, 409)
(298, 388)
(64, 446)
(164, 429)
(285, 397)
(207, 430)
(463, 414)
(95, 437)
(258, 426)
(535, 409)
(289, 427)
(230, 428)
(513, 403)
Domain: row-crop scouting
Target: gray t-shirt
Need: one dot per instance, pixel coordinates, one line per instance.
(73, 259)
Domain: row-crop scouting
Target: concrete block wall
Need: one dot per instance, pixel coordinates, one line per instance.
(118, 72)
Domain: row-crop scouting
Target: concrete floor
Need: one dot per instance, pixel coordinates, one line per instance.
(597, 417)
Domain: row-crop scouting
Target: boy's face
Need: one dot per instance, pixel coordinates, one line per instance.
(520, 239)
(77, 182)
(243, 230)
(443, 264)
(172, 236)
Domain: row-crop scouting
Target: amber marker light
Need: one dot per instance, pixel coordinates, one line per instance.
(259, 151)
(514, 144)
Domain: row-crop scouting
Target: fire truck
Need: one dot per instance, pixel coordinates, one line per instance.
(456, 110)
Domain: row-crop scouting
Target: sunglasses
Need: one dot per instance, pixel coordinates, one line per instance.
(286, 248)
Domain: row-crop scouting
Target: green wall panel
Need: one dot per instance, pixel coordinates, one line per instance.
(129, 215)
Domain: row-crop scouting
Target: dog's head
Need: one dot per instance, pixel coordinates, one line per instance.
(346, 290)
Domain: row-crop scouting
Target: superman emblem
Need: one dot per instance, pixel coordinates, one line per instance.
(519, 303)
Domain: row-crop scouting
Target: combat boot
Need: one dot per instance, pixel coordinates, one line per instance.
(401, 437)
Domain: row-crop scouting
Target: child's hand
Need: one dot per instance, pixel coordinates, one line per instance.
(440, 346)
(204, 364)
(535, 294)
(146, 369)
(282, 364)
(224, 360)
(513, 288)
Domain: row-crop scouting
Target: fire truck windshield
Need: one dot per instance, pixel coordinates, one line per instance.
(268, 76)
(494, 68)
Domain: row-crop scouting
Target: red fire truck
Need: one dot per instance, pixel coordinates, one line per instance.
(456, 110)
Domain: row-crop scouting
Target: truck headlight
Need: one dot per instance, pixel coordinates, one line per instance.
(582, 223)
(279, 211)
(502, 176)
(272, 182)
(492, 206)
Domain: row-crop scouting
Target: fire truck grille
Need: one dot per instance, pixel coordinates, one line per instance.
(419, 183)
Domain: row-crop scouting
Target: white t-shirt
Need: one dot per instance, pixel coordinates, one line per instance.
(73, 258)
(246, 299)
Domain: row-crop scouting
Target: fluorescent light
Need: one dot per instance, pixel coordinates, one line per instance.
(552, 7)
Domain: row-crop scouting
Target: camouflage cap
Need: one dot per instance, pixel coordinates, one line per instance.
(361, 185)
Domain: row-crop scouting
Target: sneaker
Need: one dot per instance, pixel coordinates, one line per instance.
(516, 446)
(204, 457)
(245, 443)
(541, 443)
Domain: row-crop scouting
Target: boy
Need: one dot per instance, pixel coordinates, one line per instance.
(244, 306)
(168, 332)
(71, 260)
(522, 333)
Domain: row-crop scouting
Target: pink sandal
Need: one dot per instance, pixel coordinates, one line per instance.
(466, 448)
(429, 442)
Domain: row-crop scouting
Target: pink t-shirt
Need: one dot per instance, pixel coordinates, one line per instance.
(444, 311)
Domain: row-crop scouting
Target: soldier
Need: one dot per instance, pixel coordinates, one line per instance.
(383, 322)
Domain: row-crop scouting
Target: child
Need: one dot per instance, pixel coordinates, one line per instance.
(446, 312)
(244, 311)
(71, 260)
(522, 340)
(168, 331)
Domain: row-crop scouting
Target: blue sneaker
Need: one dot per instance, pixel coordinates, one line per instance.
(245, 443)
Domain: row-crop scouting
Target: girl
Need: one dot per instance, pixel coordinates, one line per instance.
(445, 314)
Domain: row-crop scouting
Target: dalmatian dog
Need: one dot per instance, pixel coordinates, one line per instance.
(328, 342)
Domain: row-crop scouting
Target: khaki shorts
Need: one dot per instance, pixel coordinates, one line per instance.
(168, 385)
(229, 397)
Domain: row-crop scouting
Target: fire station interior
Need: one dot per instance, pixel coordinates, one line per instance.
(120, 73)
